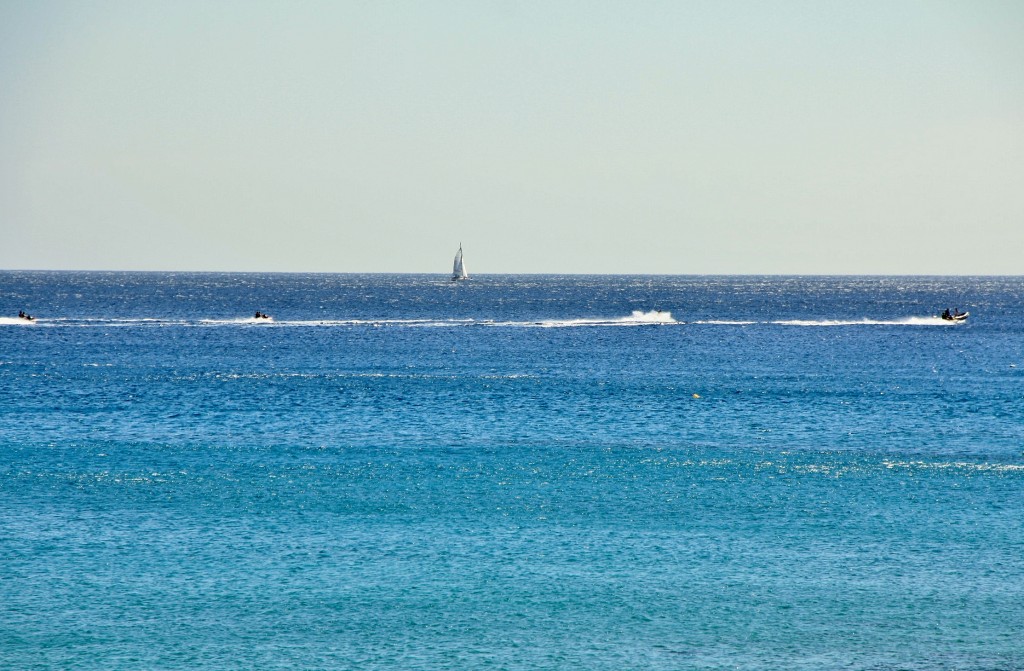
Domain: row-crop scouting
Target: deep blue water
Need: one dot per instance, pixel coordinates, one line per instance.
(514, 472)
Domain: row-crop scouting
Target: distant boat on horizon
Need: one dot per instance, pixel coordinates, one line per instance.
(459, 268)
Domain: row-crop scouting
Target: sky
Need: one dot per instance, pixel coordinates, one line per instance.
(678, 137)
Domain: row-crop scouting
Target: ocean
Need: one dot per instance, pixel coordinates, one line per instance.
(512, 472)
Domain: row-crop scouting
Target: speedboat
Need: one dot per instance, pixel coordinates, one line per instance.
(955, 317)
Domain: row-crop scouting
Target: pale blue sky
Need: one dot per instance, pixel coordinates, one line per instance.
(562, 137)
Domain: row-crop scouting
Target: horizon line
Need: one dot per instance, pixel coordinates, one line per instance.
(500, 274)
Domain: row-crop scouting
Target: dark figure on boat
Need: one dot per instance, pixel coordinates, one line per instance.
(955, 316)
(262, 315)
(946, 315)
(24, 315)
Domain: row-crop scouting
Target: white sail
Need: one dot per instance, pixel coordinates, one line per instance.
(459, 268)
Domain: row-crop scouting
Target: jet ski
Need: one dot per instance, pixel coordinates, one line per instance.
(955, 316)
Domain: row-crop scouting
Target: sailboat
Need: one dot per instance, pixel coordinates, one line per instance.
(459, 269)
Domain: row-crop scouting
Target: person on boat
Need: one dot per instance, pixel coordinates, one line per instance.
(945, 314)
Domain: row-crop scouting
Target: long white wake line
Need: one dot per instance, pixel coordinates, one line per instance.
(905, 321)
(637, 318)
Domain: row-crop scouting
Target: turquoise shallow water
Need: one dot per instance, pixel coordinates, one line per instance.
(510, 473)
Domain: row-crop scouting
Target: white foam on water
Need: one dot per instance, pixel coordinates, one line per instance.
(142, 321)
(906, 321)
(96, 322)
(957, 465)
(637, 318)
(379, 322)
(865, 321)
(929, 321)
(724, 322)
(236, 321)
(16, 321)
(650, 317)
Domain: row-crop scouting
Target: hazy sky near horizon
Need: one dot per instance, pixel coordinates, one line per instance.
(555, 136)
